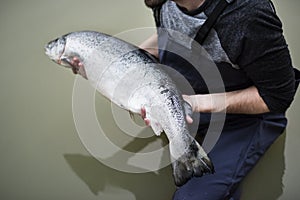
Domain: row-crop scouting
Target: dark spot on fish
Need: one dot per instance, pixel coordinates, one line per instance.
(172, 101)
(165, 91)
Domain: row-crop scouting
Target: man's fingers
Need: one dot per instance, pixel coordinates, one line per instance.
(147, 121)
(189, 119)
(143, 112)
(143, 115)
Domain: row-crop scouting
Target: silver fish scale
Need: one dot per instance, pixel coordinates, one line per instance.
(124, 74)
(126, 70)
(133, 80)
(173, 101)
(89, 39)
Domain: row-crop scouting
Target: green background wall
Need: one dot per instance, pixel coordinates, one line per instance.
(41, 156)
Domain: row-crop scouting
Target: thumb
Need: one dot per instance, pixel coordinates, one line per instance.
(188, 111)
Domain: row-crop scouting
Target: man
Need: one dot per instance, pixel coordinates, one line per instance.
(251, 55)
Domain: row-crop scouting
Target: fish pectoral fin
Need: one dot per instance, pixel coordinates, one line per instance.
(74, 62)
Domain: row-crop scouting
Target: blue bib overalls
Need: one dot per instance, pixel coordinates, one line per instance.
(243, 138)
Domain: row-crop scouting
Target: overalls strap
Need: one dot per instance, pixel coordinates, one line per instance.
(211, 20)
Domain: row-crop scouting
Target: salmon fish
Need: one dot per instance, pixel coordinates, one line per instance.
(135, 81)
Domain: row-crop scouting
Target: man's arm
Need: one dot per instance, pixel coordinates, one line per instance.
(265, 59)
(151, 45)
(246, 101)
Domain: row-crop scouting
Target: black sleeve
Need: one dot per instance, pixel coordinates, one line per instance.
(266, 59)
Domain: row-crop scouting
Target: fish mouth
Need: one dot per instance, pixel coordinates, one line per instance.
(55, 50)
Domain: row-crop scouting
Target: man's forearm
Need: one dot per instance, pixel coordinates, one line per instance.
(246, 101)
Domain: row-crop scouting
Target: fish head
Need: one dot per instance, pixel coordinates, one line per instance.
(55, 50)
(61, 53)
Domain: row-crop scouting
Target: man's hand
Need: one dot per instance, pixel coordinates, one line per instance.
(207, 103)
(77, 67)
